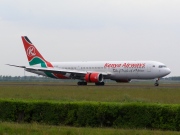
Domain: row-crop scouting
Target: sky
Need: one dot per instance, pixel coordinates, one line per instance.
(90, 30)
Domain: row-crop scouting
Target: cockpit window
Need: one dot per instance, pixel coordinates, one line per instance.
(162, 66)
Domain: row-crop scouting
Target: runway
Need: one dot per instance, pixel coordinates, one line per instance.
(135, 85)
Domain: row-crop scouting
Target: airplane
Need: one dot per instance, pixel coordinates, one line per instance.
(92, 72)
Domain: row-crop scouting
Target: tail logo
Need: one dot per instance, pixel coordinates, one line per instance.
(31, 51)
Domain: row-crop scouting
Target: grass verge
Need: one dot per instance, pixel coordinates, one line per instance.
(165, 93)
(37, 129)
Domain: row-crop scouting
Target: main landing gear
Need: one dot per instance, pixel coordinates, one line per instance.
(156, 82)
(82, 83)
(100, 84)
(97, 84)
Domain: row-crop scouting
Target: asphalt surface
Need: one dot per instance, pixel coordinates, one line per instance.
(162, 85)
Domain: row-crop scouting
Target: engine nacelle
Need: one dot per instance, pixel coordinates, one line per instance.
(93, 77)
(123, 80)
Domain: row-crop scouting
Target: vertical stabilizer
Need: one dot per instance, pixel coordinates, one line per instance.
(33, 55)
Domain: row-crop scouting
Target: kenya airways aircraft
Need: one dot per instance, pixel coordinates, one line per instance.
(92, 72)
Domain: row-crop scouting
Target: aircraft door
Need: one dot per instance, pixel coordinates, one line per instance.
(148, 68)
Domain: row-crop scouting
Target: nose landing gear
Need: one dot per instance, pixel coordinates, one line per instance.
(157, 82)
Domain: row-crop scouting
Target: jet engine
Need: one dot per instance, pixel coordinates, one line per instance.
(93, 77)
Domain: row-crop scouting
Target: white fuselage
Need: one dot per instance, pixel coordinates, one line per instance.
(117, 69)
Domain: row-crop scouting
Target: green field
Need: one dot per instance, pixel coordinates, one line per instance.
(69, 92)
(36, 129)
(136, 92)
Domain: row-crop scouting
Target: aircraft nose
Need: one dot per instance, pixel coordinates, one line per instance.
(168, 71)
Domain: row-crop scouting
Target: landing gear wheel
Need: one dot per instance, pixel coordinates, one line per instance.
(157, 82)
(79, 83)
(82, 83)
(99, 83)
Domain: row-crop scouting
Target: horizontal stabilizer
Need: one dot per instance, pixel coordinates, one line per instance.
(16, 66)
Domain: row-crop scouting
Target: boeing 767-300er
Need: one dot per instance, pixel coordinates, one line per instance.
(92, 72)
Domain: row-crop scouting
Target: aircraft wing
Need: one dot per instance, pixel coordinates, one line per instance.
(59, 70)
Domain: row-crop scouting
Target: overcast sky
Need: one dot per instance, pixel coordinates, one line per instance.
(90, 30)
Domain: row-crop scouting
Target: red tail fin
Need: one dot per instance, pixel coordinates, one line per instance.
(33, 55)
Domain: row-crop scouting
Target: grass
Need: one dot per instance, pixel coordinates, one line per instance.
(7, 128)
(133, 92)
(165, 93)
